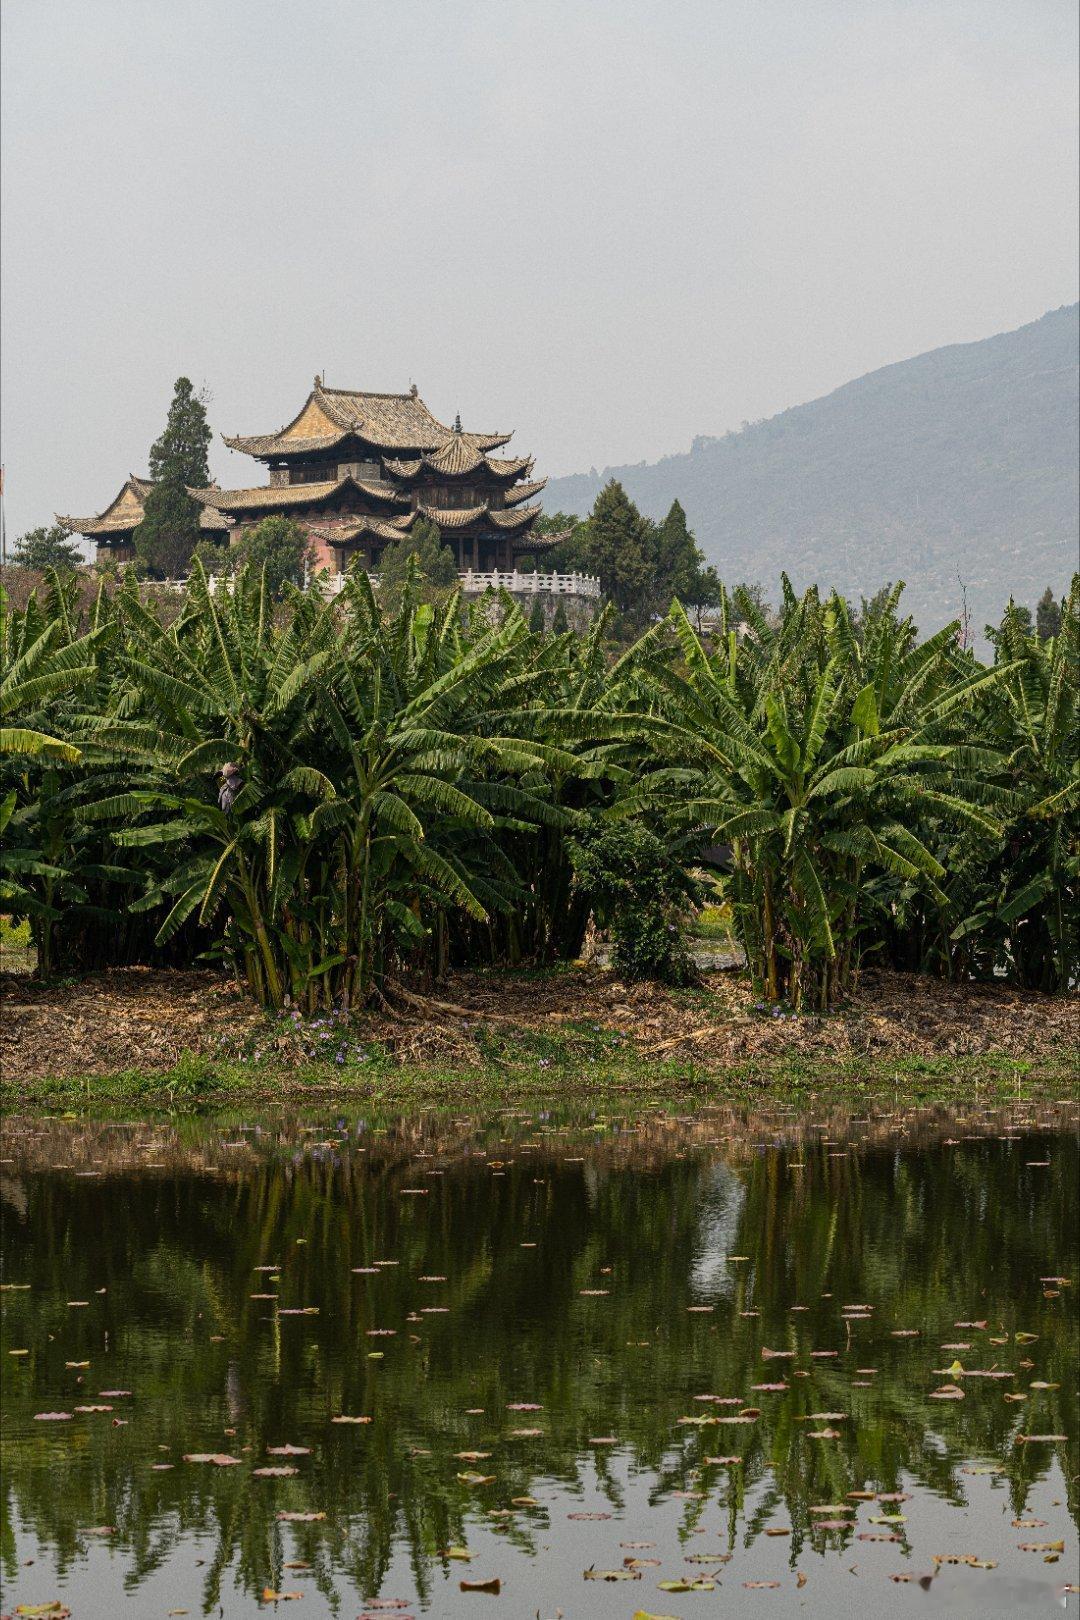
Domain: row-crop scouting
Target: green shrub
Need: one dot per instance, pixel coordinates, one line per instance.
(639, 894)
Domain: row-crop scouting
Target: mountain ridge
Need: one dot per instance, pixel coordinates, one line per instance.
(955, 470)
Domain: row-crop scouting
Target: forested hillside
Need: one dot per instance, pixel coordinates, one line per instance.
(960, 462)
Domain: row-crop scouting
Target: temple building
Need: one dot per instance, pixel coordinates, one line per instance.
(357, 470)
(114, 529)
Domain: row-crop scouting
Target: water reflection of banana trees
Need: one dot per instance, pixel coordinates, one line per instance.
(593, 1324)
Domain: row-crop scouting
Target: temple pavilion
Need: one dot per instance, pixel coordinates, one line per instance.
(358, 470)
(113, 529)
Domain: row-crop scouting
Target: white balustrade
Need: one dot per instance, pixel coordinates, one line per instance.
(473, 583)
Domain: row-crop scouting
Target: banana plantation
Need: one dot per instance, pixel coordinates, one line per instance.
(333, 802)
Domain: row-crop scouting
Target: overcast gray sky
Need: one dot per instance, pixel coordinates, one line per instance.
(609, 224)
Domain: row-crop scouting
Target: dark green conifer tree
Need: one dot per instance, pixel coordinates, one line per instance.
(680, 565)
(536, 618)
(1047, 615)
(169, 531)
(560, 624)
(620, 546)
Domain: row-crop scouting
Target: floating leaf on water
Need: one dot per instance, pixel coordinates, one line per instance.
(219, 1459)
(461, 1554)
(283, 1471)
(288, 1451)
(299, 1518)
(699, 1583)
(52, 1417)
(1029, 1439)
(345, 1418)
(969, 1560)
(270, 1596)
(56, 1610)
(470, 1478)
(761, 1586)
(1041, 1546)
(591, 1517)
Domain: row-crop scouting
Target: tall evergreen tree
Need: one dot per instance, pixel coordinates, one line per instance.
(620, 546)
(536, 617)
(680, 566)
(1047, 615)
(169, 532)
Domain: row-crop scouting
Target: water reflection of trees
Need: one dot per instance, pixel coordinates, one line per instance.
(927, 1234)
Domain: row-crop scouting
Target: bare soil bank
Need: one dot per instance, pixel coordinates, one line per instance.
(142, 1019)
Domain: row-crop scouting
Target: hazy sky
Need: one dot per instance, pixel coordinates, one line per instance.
(609, 224)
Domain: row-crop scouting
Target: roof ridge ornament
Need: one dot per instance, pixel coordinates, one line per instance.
(414, 392)
(457, 422)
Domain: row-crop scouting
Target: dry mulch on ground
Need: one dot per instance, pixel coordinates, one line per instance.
(136, 1018)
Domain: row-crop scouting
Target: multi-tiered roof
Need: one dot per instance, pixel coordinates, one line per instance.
(357, 470)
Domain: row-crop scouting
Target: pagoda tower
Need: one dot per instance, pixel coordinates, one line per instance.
(356, 470)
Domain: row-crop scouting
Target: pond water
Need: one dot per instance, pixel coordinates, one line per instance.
(805, 1363)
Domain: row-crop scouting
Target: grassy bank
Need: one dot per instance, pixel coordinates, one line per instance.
(574, 1066)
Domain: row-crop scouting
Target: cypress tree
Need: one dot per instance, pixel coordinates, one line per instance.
(536, 617)
(169, 531)
(1047, 615)
(560, 624)
(620, 546)
(678, 562)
